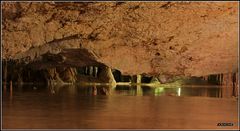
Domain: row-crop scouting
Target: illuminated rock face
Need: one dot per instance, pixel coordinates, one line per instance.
(176, 38)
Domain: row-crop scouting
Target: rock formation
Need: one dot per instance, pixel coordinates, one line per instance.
(151, 38)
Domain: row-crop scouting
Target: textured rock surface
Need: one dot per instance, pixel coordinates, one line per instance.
(172, 38)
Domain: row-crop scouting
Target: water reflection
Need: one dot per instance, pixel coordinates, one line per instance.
(126, 90)
(120, 107)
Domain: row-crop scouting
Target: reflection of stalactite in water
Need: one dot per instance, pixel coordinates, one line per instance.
(100, 90)
(19, 76)
(104, 91)
(94, 90)
(221, 79)
(11, 90)
(235, 83)
(229, 84)
(227, 81)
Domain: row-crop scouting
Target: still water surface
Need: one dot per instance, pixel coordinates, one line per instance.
(122, 107)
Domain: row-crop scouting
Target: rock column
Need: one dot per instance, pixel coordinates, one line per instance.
(105, 75)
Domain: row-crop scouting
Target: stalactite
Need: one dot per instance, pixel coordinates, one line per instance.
(218, 78)
(224, 80)
(19, 79)
(222, 75)
(86, 70)
(19, 76)
(95, 71)
(5, 74)
(91, 70)
(229, 84)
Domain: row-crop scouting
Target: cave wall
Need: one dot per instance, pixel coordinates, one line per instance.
(169, 38)
(17, 72)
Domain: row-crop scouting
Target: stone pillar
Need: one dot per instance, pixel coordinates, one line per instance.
(106, 76)
(139, 77)
(52, 76)
(67, 74)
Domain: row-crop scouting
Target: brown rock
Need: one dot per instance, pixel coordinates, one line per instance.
(174, 38)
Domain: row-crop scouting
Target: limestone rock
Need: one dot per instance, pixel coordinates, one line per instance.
(169, 38)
